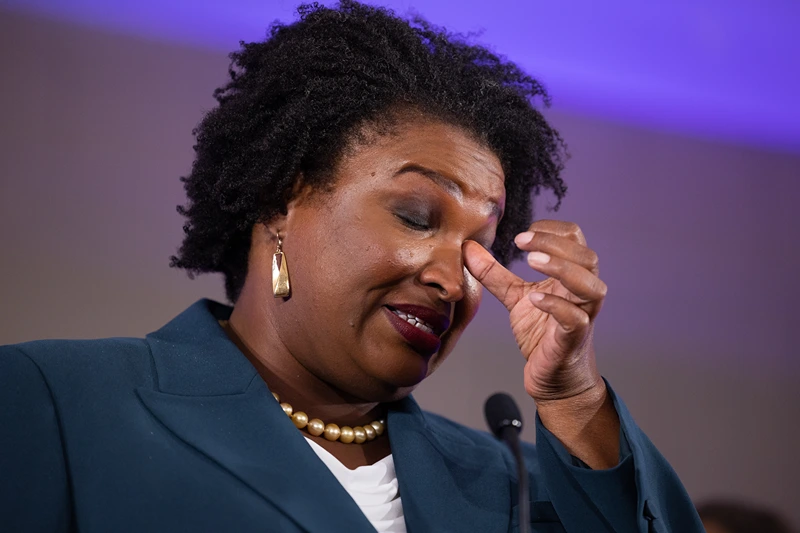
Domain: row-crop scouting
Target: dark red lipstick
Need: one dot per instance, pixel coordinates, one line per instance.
(425, 342)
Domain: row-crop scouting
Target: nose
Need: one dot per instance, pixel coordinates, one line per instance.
(445, 273)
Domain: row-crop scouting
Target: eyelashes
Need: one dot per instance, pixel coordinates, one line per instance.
(414, 221)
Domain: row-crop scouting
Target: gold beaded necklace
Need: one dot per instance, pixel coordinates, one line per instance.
(332, 432)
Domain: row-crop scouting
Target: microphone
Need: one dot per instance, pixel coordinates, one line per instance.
(505, 421)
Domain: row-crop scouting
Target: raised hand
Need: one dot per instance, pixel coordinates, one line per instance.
(552, 320)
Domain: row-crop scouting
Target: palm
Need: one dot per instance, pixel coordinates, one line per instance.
(537, 335)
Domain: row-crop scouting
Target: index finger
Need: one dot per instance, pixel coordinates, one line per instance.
(503, 284)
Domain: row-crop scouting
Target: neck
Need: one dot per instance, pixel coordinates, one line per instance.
(252, 329)
(295, 384)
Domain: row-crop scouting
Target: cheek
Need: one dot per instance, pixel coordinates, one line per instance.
(407, 255)
(351, 261)
(467, 308)
(473, 293)
(464, 312)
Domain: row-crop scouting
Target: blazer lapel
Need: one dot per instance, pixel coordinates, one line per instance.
(447, 482)
(212, 398)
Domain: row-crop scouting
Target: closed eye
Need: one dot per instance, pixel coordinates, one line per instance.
(413, 222)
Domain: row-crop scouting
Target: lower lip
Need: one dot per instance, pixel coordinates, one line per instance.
(423, 342)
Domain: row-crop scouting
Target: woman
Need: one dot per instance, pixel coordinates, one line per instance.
(361, 180)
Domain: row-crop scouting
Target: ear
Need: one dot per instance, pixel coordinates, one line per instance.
(266, 233)
(300, 195)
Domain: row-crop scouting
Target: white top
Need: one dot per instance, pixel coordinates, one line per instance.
(373, 487)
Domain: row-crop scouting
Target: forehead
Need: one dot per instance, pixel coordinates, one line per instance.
(439, 150)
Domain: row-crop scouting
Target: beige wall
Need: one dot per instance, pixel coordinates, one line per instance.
(698, 243)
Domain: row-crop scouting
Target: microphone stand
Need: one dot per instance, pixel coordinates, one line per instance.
(505, 421)
(510, 435)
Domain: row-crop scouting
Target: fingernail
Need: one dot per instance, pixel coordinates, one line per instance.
(536, 296)
(539, 258)
(523, 238)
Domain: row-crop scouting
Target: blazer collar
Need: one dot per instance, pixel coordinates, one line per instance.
(193, 356)
(210, 396)
(448, 482)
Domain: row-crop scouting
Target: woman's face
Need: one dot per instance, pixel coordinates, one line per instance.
(384, 249)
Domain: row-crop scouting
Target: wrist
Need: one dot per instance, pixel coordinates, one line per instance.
(586, 424)
(578, 405)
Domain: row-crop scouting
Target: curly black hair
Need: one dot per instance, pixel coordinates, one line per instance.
(295, 101)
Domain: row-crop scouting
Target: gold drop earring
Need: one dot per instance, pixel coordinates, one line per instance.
(280, 273)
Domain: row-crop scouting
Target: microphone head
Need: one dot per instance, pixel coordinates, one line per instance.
(501, 411)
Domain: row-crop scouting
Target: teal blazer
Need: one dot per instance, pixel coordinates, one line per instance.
(178, 432)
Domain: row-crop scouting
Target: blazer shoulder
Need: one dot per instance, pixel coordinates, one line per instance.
(451, 430)
(46, 347)
(460, 439)
(79, 363)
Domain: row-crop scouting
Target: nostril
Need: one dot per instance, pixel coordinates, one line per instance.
(445, 274)
(452, 292)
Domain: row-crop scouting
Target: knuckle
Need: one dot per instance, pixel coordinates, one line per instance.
(579, 324)
(602, 289)
(592, 260)
(575, 233)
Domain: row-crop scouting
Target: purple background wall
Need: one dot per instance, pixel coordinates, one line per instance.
(698, 242)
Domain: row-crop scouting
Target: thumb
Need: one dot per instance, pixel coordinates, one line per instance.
(498, 280)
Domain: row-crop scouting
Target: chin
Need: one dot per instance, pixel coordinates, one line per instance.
(403, 367)
(397, 395)
(378, 390)
(392, 382)
(405, 381)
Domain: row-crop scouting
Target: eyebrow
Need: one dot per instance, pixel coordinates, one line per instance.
(450, 186)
